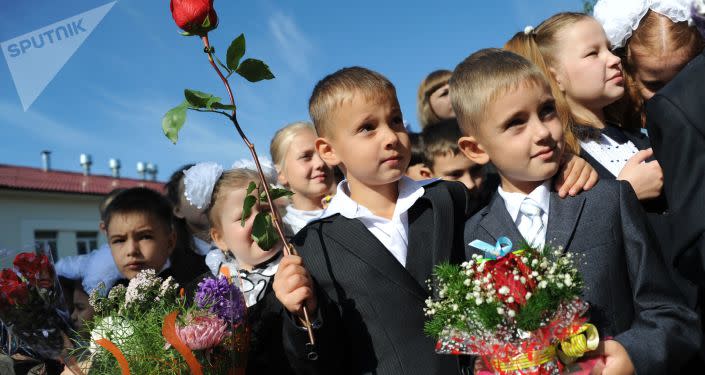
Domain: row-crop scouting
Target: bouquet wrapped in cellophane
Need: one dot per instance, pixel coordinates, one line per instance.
(32, 305)
(520, 312)
(150, 327)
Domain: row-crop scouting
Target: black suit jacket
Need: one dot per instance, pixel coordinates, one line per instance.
(631, 294)
(370, 305)
(675, 119)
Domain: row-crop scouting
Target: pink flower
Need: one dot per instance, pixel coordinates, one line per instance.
(202, 332)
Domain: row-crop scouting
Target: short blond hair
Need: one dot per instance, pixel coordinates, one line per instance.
(282, 141)
(342, 85)
(482, 78)
(233, 179)
(434, 81)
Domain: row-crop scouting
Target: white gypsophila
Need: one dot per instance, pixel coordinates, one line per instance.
(169, 285)
(199, 182)
(138, 287)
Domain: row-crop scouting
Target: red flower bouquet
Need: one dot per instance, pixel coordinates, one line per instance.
(31, 302)
(520, 312)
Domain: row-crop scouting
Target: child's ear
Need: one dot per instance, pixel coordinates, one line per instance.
(473, 150)
(177, 212)
(426, 172)
(558, 77)
(326, 152)
(281, 178)
(217, 238)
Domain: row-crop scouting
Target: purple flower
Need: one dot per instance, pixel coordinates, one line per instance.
(221, 298)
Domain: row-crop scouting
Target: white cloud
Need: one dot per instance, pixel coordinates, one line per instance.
(294, 46)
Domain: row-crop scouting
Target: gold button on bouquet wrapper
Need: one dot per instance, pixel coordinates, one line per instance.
(519, 311)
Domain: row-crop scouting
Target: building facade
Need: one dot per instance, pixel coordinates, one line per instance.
(58, 209)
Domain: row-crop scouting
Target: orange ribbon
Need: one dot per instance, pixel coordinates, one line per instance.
(169, 333)
(115, 351)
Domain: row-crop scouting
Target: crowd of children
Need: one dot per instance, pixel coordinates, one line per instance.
(512, 143)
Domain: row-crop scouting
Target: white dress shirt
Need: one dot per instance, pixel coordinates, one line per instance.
(297, 219)
(541, 196)
(393, 234)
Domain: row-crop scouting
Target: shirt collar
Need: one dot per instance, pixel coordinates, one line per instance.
(541, 195)
(409, 192)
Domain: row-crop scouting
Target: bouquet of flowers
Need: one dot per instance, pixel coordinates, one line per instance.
(148, 327)
(520, 311)
(32, 304)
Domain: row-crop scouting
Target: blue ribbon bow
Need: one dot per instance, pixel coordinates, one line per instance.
(502, 247)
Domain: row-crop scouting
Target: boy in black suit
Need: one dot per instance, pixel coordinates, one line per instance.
(508, 115)
(374, 248)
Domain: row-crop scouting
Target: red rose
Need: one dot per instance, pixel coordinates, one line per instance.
(36, 268)
(12, 289)
(194, 16)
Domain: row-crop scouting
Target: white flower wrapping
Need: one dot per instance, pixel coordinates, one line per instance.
(620, 18)
(199, 182)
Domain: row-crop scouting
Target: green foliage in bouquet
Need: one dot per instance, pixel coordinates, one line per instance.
(518, 291)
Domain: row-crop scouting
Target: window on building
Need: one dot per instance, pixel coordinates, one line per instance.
(86, 241)
(46, 238)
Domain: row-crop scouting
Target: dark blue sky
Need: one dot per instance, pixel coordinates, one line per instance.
(109, 97)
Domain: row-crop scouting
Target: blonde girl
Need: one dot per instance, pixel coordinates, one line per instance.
(302, 171)
(574, 53)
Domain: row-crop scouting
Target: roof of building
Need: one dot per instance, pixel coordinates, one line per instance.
(27, 178)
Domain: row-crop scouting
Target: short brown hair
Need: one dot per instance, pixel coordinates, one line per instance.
(232, 179)
(428, 86)
(342, 85)
(441, 139)
(483, 77)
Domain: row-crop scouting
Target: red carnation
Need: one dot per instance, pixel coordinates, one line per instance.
(12, 289)
(36, 268)
(196, 17)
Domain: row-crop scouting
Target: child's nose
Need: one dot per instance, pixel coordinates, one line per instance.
(391, 137)
(468, 181)
(132, 247)
(613, 60)
(541, 131)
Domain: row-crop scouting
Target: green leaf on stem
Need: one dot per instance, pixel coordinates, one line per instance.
(222, 65)
(250, 201)
(173, 121)
(227, 107)
(254, 70)
(235, 52)
(199, 99)
(264, 232)
(251, 187)
(275, 193)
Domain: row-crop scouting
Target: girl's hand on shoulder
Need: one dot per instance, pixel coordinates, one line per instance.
(293, 286)
(646, 178)
(575, 175)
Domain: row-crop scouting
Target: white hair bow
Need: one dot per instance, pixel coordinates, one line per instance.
(620, 18)
(199, 182)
